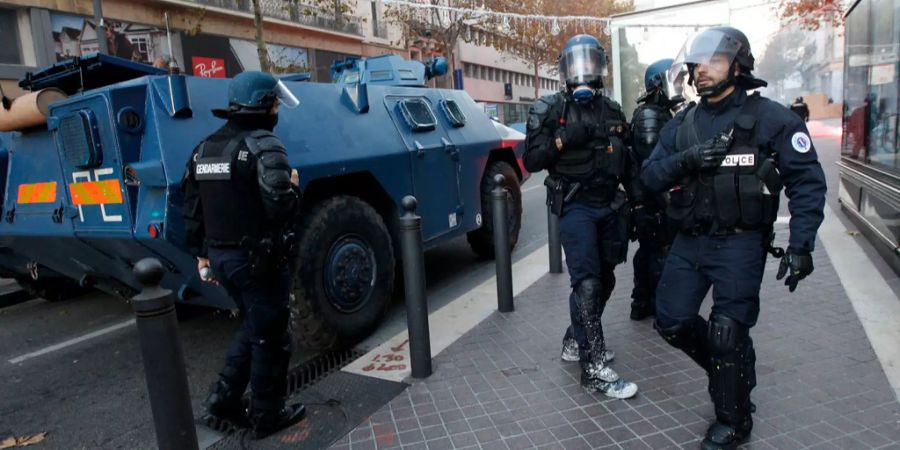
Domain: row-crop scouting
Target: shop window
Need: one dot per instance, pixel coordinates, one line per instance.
(10, 51)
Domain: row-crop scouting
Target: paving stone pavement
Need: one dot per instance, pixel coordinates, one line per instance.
(502, 385)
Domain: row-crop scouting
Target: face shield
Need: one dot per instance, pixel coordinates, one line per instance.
(285, 96)
(711, 48)
(582, 64)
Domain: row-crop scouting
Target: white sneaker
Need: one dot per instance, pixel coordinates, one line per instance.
(620, 389)
(570, 352)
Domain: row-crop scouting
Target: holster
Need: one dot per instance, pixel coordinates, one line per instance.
(556, 193)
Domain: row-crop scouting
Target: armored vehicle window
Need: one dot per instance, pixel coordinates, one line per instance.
(454, 113)
(417, 114)
(351, 77)
(381, 75)
(406, 74)
(79, 140)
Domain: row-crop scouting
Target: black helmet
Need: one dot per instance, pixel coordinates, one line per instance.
(717, 43)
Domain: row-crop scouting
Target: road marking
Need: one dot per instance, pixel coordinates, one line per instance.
(869, 293)
(388, 361)
(72, 341)
(529, 189)
(783, 219)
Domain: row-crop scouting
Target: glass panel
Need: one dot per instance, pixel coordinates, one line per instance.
(9, 36)
(454, 114)
(417, 114)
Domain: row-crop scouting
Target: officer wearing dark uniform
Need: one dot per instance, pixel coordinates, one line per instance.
(580, 137)
(724, 162)
(653, 234)
(800, 108)
(239, 200)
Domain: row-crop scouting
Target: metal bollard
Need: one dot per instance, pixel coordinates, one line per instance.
(502, 257)
(414, 285)
(553, 241)
(170, 398)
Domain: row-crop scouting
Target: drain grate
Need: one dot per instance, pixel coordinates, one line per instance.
(310, 372)
(299, 377)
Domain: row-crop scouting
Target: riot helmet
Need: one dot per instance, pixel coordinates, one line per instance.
(655, 77)
(256, 92)
(582, 66)
(721, 49)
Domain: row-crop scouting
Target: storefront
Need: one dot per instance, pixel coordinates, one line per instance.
(870, 156)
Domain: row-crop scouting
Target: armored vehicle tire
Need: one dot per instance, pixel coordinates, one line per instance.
(345, 274)
(482, 239)
(51, 289)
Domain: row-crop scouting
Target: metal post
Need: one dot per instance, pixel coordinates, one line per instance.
(414, 284)
(501, 246)
(553, 241)
(101, 27)
(170, 398)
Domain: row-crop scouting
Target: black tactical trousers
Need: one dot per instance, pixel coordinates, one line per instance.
(260, 350)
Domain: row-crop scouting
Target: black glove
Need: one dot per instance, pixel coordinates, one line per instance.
(572, 134)
(707, 155)
(796, 266)
(643, 221)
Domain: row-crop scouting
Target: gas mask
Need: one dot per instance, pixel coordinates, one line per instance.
(583, 94)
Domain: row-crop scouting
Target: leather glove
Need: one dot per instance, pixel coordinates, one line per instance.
(707, 155)
(572, 134)
(796, 266)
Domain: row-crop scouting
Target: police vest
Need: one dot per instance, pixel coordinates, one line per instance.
(226, 179)
(743, 192)
(600, 163)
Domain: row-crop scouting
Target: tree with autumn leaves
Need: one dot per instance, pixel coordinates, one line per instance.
(811, 14)
(534, 41)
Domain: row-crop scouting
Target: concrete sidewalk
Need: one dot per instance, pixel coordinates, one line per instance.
(502, 384)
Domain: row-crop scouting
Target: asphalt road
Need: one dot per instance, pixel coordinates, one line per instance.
(76, 370)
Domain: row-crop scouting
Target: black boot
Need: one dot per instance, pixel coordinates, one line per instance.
(641, 310)
(268, 421)
(224, 403)
(722, 436)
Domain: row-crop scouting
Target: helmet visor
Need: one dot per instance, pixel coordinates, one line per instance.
(712, 48)
(285, 96)
(581, 64)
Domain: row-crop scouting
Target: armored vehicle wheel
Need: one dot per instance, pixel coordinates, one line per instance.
(345, 274)
(482, 239)
(52, 289)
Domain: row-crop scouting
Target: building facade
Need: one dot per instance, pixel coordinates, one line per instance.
(870, 151)
(212, 38)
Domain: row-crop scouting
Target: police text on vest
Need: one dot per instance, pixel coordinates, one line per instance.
(747, 159)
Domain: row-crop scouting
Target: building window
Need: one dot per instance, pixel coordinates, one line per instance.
(871, 84)
(10, 52)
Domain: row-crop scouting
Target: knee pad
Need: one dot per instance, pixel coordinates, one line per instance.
(683, 334)
(726, 335)
(589, 288)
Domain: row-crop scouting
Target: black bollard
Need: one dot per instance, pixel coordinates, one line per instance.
(501, 246)
(170, 398)
(553, 241)
(414, 285)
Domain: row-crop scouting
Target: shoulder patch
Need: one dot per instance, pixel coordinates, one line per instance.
(801, 142)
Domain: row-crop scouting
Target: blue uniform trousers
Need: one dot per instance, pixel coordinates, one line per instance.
(260, 350)
(592, 241)
(731, 264)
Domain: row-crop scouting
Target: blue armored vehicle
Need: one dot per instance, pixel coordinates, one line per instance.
(109, 161)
